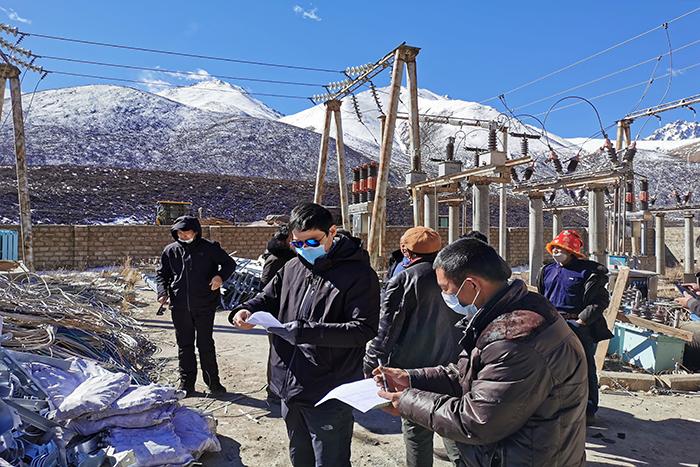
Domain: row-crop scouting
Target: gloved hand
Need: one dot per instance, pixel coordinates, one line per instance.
(288, 331)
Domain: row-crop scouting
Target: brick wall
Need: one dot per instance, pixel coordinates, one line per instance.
(81, 246)
(84, 246)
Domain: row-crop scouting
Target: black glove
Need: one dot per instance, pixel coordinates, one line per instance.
(288, 331)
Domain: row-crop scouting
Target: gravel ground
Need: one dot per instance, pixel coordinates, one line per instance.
(633, 428)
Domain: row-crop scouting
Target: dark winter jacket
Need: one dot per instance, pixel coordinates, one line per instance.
(185, 270)
(276, 256)
(517, 397)
(395, 261)
(416, 328)
(578, 291)
(336, 305)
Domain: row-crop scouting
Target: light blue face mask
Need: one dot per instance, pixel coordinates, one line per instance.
(453, 302)
(311, 253)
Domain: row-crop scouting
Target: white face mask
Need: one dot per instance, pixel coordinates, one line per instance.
(453, 302)
(187, 241)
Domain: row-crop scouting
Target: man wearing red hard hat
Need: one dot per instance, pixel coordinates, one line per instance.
(576, 286)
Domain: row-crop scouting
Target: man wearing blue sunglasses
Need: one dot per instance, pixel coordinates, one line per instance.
(328, 301)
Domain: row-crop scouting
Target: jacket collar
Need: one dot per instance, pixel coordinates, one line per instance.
(502, 302)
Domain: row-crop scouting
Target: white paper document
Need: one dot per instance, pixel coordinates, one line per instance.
(264, 319)
(361, 395)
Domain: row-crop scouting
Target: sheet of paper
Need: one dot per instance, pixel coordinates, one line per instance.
(361, 395)
(264, 319)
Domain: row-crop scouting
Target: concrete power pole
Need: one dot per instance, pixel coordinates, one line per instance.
(12, 73)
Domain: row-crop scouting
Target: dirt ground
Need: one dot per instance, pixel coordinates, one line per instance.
(633, 429)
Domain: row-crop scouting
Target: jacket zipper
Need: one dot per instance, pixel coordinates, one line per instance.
(187, 280)
(309, 292)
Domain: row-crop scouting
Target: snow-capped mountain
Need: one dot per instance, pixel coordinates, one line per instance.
(678, 130)
(218, 96)
(115, 126)
(361, 126)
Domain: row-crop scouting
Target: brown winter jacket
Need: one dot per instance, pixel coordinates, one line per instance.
(517, 396)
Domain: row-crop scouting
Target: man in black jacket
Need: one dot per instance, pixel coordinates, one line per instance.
(276, 255)
(577, 289)
(328, 301)
(416, 330)
(517, 395)
(189, 276)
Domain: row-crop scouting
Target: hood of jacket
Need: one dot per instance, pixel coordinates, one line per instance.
(186, 223)
(279, 248)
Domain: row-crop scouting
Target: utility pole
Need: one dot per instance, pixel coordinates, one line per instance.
(333, 115)
(402, 56)
(11, 72)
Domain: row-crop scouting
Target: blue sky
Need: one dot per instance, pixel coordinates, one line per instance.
(470, 50)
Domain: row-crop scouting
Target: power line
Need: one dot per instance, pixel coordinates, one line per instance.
(625, 88)
(163, 84)
(179, 54)
(656, 58)
(590, 57)
(188, 73)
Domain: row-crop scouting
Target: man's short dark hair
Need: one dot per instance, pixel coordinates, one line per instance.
(471, 257)
(475, 234)
(310, 216)
(282, 233)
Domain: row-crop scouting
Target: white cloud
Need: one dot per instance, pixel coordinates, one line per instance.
(307, 14)
(12, 14)
(197, 75)
(152, 82)
(156, 81)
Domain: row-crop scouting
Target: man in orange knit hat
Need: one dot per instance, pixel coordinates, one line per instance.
(416, 330)
(577, 289)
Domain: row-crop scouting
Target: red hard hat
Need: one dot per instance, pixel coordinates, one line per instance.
(567, 240)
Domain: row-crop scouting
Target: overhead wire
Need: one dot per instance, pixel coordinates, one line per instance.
(668, 85)
(590, 57)
(177, 72)
(169, 85)
(179, 54)
(656, 58)
(619, 90)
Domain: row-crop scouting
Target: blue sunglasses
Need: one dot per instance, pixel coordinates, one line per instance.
(311, 242)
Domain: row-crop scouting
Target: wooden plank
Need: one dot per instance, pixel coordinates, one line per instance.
(656, 327)
(611, 313)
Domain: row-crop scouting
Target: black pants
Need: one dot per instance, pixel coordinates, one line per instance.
(195, 327)
(419, 446)
(271, 394)
(589, 347)
(319, 436)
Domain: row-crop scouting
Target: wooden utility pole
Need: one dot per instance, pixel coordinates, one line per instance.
(403, 55)
(340, 157)
(333, 114)
(12, 73)
(323, 157)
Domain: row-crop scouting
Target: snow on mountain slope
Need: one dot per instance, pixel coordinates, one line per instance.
(114, 126)
(362, 132)
(218, 96)
(678, 130)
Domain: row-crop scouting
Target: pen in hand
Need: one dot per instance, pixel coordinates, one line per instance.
(381, 365)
